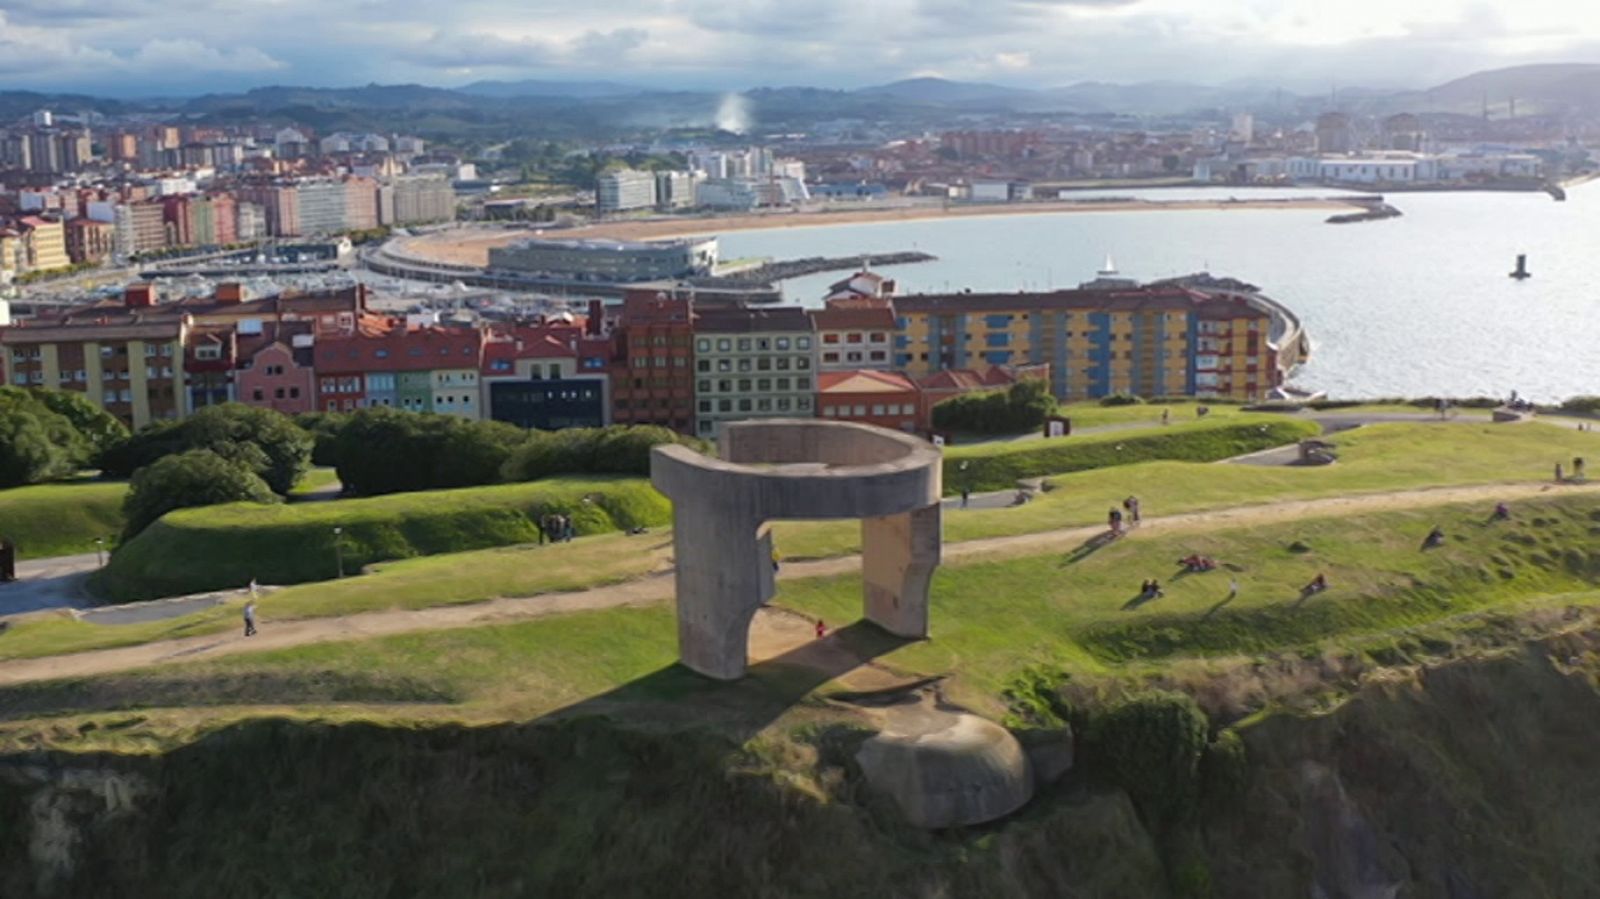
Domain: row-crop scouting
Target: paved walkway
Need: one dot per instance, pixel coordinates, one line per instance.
(659, 588)
(54, 583)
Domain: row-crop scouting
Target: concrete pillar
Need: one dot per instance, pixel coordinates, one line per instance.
(898, 555)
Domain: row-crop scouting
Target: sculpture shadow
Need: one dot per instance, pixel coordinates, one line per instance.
(674, 694)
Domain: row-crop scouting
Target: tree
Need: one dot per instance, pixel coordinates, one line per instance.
(100, 428)
(1021, 407)
(420, 451)
(264, 440)
(183, 480)
(28, 455)
(613, 450)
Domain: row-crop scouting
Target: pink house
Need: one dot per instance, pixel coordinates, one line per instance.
(276, 369)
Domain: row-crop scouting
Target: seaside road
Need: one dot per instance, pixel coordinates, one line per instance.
(659, 587)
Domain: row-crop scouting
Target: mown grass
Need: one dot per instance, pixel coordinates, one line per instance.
(218, 547)
(998, 466)
(314, 480)
(1374, 459)
(450, 579)
(1074, 610)
(61, 519)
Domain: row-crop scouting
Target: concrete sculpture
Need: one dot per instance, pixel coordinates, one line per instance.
(806, 469)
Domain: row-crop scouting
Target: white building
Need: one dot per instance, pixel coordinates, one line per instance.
(626, 189)
(675, 190)
(1243, 129)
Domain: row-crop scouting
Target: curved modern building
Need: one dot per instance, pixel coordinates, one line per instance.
(608, 260)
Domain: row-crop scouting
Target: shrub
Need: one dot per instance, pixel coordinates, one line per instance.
(100, 428)
(183, 480)
(1151, 746)
(1583, 405)
(1021, 407)
(621, 450)
(1121, 399)
(265, 441)
(378, 451)
(324, 429)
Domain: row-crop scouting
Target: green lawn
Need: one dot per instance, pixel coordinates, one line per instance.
(314, 480)
(61, 519)
(1071, 610)
(449, 579)
(998, 466)
(1375, 459)
(218, 547)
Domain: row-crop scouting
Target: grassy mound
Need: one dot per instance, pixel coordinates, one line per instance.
(195, 550)
(61, 519)
(998, 466)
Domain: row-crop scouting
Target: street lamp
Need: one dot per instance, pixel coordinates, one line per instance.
(99, 552)
(338, 550)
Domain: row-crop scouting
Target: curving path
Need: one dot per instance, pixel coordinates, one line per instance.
(659, 587)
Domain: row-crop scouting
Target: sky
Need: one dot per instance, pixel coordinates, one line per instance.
(180, 47)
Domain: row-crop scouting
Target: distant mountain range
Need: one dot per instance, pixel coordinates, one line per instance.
(497, 109)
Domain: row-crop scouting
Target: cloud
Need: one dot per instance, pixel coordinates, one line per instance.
(469, 50)
(739, 44)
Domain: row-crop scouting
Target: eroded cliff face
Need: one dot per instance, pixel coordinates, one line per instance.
(1461, 779)
(1469, 778)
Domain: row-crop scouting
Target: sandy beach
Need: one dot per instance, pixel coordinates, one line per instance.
(470, 246)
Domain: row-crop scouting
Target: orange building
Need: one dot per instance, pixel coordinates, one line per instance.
(886, 399)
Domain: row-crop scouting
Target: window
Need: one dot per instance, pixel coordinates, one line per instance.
(744, 364)
(879, 356)
(764, 385)
(725, 385)
(803, 403)
(703, 386)
(763, 405)
(763, 364)
(783, 404)
(705, 406)
(744, 385)
(703, 345)
(294, 394)
(764, 344)
(724, 405)
(380, 353)
(257, 395)
(875, 337)
(704, 365)
(744, 344)
(783, 383)
(802, 364)
(830, 339)
(802, 343)
(830, 357)
(852, 356)
(724, 365)
(860, 410)
(783, 343)
(744, 405)
(852, 338)
(149, 350)
(877, 409)
(802, 383)
(277, 394)
(208, 351)
(724, 345)
(783, 363)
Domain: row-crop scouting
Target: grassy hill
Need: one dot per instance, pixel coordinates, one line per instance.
(61, 519)
(193, 550)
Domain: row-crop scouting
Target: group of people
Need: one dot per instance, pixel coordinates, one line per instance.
(1127, 516)
(1578, 470)
(1150, 589)
(556, 528)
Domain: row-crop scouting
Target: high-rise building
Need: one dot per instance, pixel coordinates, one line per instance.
(1243, 129)
(626, 189)
(674, 190)
(416, 199)
(1334, 134)
(89, 241)
(251, 221)
(752, 362)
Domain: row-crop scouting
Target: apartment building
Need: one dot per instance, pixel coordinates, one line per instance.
(130, 365)
(752, 362)
(652, 361)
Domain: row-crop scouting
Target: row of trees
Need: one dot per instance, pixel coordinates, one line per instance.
(378, 451)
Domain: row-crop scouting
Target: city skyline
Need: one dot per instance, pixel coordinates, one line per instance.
(138, 48)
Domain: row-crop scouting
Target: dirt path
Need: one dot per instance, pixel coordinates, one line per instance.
(772, 633)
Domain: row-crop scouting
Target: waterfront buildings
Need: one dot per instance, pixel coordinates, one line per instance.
(886, 399)
(608, 260)
(855, 334)
(625, 189)
(1150, 341)
(752, 362)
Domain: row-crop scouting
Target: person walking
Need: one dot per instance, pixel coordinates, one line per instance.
(255, 589)
(1559, 477)
(965, 495)
(1166, 416)
(822, 629)
(250, 618)
(1233, 587)
(1577, 468)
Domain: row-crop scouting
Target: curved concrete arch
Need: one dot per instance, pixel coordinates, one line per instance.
(796, 468)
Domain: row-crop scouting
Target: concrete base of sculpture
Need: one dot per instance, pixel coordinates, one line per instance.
(945, 767)
(796, 469)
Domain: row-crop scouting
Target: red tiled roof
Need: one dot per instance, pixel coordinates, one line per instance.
(841, 318)
(864, 381)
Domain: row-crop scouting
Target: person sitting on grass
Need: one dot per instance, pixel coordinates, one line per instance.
(1317, 585)
(1502, 512)
(1435, 538)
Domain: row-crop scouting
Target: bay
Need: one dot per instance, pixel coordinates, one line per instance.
(1414, 306)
